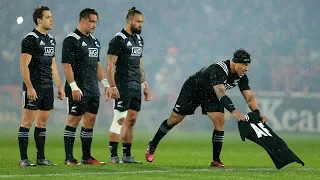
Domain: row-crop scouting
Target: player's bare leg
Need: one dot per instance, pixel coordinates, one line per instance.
(114, 134)
(69, 137)
(217, 119)
(40, 136)
(86, 135)
(164, 128)
(127, 136)
(23, 135)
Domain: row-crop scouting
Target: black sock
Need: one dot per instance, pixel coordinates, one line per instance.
(162, 131)
(217, 141)
(69, 136)
(23, 139)
(113, 148)
(40, 139)
(86, 139)
(126, 148)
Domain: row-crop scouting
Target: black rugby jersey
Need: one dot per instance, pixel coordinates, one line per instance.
(219, 73)
(82, 52)
(261, 134)
(42, 49)
(129, 50)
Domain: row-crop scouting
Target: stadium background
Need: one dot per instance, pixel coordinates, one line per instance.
(181, 37)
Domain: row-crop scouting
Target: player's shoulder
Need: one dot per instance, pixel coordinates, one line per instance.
(31, 36)
(118, 38)
(222, 65)
(72, 36)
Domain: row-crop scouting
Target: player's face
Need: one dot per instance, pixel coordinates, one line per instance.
(242, 68)
(136, 23)
(91, 23)
(46, 20)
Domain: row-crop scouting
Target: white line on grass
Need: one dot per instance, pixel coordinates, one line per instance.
(147, 171)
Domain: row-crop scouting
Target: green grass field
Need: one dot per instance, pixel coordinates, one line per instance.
(180, 155)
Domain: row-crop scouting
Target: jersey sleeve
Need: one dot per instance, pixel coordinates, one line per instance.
(115, 46)
(68, 50)
(216, 75)
(244, 83)
(28, 45)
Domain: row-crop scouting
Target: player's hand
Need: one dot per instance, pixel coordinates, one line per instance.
(77, 95)
(264, 118)
(32, 94)
(115, 93)
(238, 115)
(147, 94)
(107, 93)
(61, 94)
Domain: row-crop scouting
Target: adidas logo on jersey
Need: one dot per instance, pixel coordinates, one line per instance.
(129, 43)
(42, 43)
(84, 44)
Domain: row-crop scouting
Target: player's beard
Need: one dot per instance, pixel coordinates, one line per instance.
(135, 30)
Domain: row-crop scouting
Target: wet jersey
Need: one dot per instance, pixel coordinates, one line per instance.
(82, 52)
(219, 73)
(129, 49)
(42, 49)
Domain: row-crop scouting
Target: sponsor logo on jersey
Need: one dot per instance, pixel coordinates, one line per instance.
(93, 52)
(48, 51)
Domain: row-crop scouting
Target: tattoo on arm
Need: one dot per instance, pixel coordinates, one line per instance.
(111, 61)
(143, 75)
(220, 90)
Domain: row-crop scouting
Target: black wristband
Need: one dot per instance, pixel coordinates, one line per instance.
(256, 111)
(227, 103)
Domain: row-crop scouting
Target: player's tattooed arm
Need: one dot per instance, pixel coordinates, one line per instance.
(111, 61)
(220, 90)
(143, 79)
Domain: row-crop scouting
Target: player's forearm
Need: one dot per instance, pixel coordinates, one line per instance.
(100, 73)
(143, 75)
(223, 98)
(101, 77)
(110, 73)
(55, 76)
(252, 103)
(68, 73)
(25, 73)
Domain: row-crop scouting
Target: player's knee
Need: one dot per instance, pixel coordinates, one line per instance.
(131, 121)
(174, 119)
(26, 124)
(218, 121)
(117, 122)
(73, 121)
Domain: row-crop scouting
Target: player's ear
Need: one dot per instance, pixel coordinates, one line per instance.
(39, 20)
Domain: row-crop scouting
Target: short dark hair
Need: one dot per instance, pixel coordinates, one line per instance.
(38, 13)
(85, 13)
(240, 56)
(131, 12)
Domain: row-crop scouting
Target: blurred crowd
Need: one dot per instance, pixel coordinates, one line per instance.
(183, 36)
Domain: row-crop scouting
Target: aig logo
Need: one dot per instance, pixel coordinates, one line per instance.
(136, 51)
(93, 52)
(48, 51)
